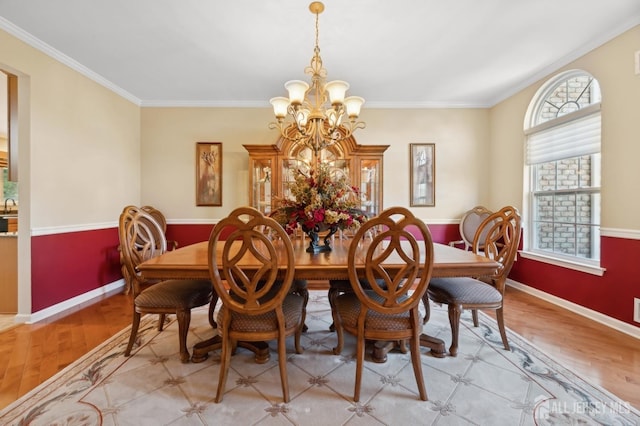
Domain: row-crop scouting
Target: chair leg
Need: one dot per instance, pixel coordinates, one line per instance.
(427, 310)
(503, 331)
(300, 329)
(417, 366)
(134, 332)
(331, 295)
(225, 360)
(299, 287)
(184, 319)
(212, 308)
(161, 319)
(474, 315)
(339, 334)
(305, 295)
(282, 361)
(454, 321)
(359, 366)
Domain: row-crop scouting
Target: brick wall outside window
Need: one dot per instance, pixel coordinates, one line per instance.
(564, 196)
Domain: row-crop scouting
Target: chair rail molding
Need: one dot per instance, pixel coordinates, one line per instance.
(632, 234)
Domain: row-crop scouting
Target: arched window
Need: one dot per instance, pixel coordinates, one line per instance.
(562, 130)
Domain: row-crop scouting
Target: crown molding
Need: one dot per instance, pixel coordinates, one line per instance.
(38, 44)
(265, 104)
(554, 67)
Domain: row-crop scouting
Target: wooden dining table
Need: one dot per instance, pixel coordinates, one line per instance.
(192, 262)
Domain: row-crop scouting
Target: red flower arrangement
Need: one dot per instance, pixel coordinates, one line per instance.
(320, 200)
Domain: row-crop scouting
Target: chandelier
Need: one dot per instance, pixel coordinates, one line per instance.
(321, 114)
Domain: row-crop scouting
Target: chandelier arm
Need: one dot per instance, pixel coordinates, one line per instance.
(282, 127)
(317, 125)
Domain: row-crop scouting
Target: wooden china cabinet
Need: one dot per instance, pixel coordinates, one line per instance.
(273, 167)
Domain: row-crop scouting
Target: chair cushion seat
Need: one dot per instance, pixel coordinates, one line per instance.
(178, 294)
(462, 290)
(292, 307)
(348, 307)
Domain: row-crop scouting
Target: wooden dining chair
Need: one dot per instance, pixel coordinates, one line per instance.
(497, 238)
(173, 245)
(254, 284)
(160, 218)
(389, 309)
(142, 238)
(469, 224)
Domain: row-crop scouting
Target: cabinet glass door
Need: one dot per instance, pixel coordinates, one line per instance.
(262, 180)
(370, 186)
(302, 163)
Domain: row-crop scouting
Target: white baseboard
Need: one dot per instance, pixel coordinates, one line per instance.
(71, 304)
(578, 309)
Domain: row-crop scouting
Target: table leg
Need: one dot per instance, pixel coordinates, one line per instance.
(436, 345)
(382, 348)
(201, 349)
(380, 351)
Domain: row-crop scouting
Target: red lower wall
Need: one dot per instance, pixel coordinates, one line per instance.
(188, 234)
(67, 265)
(71, 264)
(611, 294)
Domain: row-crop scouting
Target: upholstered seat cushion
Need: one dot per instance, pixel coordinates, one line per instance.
(292, 308)
(171, 294)
(348, 307)
(462, 290)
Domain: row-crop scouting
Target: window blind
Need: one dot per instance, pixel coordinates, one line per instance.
(570, 139)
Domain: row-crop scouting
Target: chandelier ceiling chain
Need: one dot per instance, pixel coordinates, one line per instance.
(317, 111)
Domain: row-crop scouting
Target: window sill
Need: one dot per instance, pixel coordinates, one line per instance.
(576, 266)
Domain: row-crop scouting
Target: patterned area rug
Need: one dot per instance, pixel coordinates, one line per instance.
(483, 385)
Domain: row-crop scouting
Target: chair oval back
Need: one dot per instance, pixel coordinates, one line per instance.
(141, 238)
(470, 223)
(498, 238)
(255, 254)
(393, 241)
(158, 216)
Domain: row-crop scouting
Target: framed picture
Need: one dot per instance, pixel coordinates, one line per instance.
(208, 173)
(423, 174)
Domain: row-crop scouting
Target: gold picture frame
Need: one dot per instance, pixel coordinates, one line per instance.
(209, 173)
(422, 175)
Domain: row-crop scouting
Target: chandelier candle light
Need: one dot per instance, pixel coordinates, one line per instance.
(317, 110)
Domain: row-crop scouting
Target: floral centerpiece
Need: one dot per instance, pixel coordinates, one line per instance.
(321, 201)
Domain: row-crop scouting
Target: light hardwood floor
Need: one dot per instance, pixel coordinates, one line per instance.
(30, 354)
(6, 321)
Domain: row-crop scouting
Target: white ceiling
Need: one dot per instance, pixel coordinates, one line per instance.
(401, 53)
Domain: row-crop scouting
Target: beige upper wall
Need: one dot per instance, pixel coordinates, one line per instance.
(612, 65)
(169, 136)
(79, 151)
